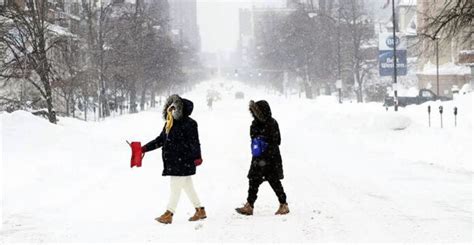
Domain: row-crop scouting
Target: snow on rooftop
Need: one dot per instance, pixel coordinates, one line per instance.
(411, 28)
(372, 43)
(59, 30)
(407, 3)
(72, 16)
(445, 69)
(467, 52)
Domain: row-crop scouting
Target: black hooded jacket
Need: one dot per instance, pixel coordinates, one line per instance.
(181, 145)
(269, 164)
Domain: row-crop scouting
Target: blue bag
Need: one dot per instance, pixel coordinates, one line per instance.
(258, 146)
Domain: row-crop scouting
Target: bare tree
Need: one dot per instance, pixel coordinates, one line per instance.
(98, 31)
(29, 38)
(121, 51)
(288, 42)
(359, 34)
(67, 74)
(451, 18)
(143, 56)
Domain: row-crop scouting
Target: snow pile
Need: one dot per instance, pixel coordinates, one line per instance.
(355, 117)
(353, 173)
(410, 92)
(466, 88)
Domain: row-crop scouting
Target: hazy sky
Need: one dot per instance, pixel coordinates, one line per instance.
(218, 21)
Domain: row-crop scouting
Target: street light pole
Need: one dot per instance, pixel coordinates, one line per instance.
(437, 66)
(339, 55)
(394, 57)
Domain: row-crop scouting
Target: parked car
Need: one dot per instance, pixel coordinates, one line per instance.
(424, 95)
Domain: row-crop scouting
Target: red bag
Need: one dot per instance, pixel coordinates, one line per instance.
(136, 154)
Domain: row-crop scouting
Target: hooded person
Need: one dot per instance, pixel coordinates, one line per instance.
(266, 162)
(181, 153)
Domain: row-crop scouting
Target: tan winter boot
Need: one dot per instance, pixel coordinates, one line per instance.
(200, 214)
(247, 209)
(283, 209)
(166, 218)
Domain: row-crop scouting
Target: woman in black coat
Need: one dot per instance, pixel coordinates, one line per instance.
(267, 165)
(181, 153)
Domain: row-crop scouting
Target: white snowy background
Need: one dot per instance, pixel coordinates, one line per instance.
(353, 173)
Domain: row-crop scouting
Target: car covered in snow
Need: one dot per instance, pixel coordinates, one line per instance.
(423, 96)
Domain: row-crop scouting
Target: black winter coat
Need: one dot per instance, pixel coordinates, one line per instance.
(269, 164)
(181, 145)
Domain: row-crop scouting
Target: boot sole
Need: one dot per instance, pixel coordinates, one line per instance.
(158, 220)
(197, 219)
(247, 214)
(166, 223)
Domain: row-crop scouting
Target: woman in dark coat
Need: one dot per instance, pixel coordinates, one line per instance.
(267, 166)
(181, 153)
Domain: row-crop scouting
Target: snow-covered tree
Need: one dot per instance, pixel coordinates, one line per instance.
(30, 38)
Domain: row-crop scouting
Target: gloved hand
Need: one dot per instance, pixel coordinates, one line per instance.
(143, 151)
(198, 162)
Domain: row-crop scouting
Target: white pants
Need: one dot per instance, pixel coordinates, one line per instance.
(178, 183)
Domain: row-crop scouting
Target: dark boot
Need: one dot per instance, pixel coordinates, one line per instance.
(283, 209)
(200, 214)
(166, 218)
(247, 209)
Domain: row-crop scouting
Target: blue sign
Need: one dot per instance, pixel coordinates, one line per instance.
(386, 65)
(386, 62)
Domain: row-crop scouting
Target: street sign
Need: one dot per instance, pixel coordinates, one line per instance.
(386, 58)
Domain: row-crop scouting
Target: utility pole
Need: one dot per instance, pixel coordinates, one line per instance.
(394, 56)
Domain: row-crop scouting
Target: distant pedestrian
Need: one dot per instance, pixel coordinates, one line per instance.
(210, 100)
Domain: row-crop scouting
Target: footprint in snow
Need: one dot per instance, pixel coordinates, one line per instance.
(198, 226)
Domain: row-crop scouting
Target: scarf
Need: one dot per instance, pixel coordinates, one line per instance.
(169, 121)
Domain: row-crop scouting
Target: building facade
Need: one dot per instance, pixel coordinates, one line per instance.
(447, 50)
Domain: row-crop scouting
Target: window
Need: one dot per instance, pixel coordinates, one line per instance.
(426, 94)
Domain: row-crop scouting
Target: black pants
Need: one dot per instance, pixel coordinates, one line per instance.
(274, 183)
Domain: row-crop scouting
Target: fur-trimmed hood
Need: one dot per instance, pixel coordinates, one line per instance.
(260, 110)
(184, 107)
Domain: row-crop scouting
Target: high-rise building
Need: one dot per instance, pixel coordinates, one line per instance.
(183, 20)
(252, 23)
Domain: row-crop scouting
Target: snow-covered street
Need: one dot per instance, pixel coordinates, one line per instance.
(353, 173)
